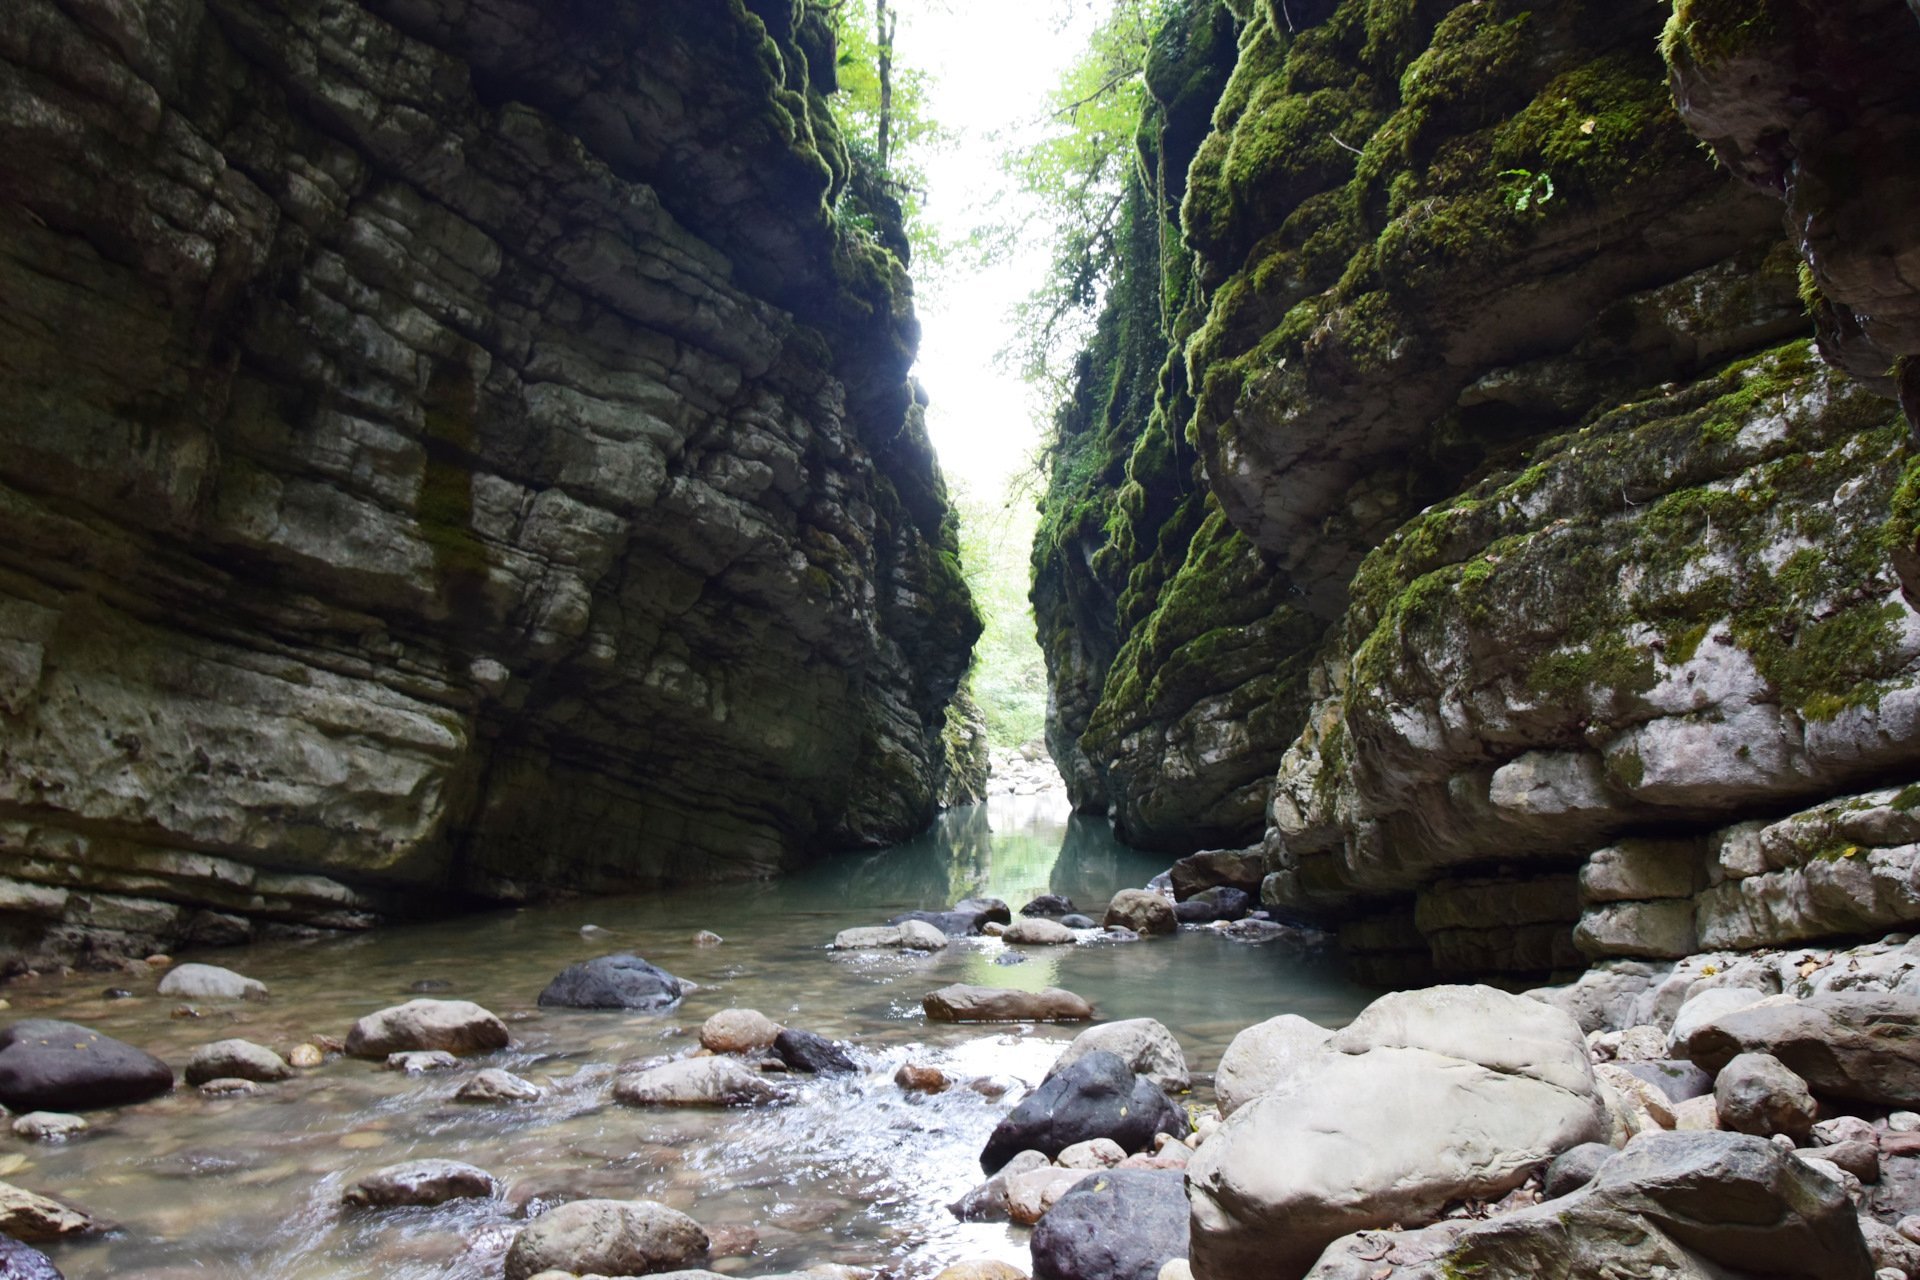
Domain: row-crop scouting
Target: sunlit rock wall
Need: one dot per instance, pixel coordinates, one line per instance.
(449, 450)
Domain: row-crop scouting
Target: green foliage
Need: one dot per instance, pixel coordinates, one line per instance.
(1525, 189)
(1072, 181)
(913, 133)
(1009, 680)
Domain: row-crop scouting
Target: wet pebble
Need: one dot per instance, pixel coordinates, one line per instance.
(419, 1061)
(47, 1126)
(228, 1087)
(116, 993)
(305, 1056)
(916, 1077)
(707, 938)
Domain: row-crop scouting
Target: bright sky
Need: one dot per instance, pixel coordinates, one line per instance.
(991, 64)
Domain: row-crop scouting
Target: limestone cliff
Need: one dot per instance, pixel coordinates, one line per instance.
(449, 449)
(1538, 558)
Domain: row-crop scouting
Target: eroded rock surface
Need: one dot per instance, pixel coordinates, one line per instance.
(450, 452)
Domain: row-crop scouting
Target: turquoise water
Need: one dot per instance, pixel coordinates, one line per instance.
(853, 1172)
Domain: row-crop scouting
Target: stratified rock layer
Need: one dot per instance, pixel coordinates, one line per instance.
(450, 449)
(1529, 556)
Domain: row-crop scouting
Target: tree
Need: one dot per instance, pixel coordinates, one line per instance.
(882, 112)
(1073, 175)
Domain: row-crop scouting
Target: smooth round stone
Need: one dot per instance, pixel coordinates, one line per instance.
(457, 1026)
(236, 1060)
(48, 1065)
(306, 1056)
(495, 1085)
(738, 1030)
(228, 1087)
(420, 1061)
(210, 982)
(47, 1126)
(421, 1182)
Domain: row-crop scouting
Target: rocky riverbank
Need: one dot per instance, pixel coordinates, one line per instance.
(1753, 1114)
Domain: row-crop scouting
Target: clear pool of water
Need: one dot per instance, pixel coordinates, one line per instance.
(853, 1171)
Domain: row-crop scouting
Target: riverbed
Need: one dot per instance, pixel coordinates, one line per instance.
(854, 1171)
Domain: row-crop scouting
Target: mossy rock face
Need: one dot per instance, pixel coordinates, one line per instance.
(1394, 202)
(1680, 612)
(1846, 160)
(1123, 496)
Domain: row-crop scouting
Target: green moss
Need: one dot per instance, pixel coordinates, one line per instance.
(1908, 799)
(1708, 31)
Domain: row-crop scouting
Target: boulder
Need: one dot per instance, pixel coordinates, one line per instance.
(1267, 1056)
(988, 1201)
(495, 1085)
(1859, 1045)
(607, 1237)
(1574, 1168)
(1074, 920)
(950, 924)
(1692, 1206)
(1702, 1007)
(1639, 1105)
(986, 908)
(738, 1031)
(458, 1026)
(47, 1126)
(1224, 902)
(1241, 869)
(805, 1051)
(421, 1182)
(695, 1082)
(1678, 1079)
(622, 981)
(1426, 1098)
(1755, 1093)
(1096, 1097)
(236, 1060)
(1146, 1046)
(1497, 1030)
(1141, 911)
(1049, 904)
(33, 1218)
(961, 1003)
(1038, 933)
(46, 1065)
(914, 935)
(210, 982)
(1123, 1224)
(24, 1262)
(1031, 1195)
(1095, 1153)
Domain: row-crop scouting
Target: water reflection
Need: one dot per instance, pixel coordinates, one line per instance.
(854, 1171)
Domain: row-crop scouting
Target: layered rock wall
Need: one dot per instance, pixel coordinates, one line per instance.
(1546, 550)
(451, 449)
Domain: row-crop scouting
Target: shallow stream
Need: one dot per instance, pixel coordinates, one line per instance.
(855, 1171)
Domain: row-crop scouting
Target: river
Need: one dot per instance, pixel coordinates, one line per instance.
(855, 1171)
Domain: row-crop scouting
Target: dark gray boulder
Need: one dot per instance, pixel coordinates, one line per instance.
(46, 1065)
(805, 1051)
(1574, 1168)
(1096, 1097)
(1858, 1045)
(24, 1262)
(1121, 1224)
(1049, 904)
(1755, 1093)
(988, 908)
(1074, 920)
(614, 982)
(955, 924)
